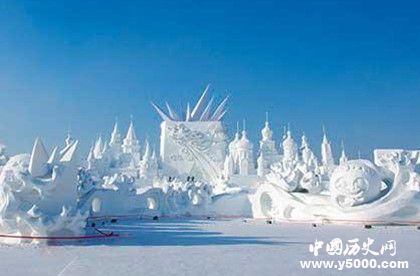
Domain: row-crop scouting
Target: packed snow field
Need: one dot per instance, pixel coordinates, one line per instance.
(208, 247)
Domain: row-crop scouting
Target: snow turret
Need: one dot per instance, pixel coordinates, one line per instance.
(130, 143)
(148, 165)
(233, 145)
(268, 152)
(289, 148)
(39, 158)
(268, 145)
(245, 154)
(147, 153)
(91, 159)
(343, 157)
(229, 166)
(266, 132)
(327, 156)
(115, 136)
(98, 148)
(306, 152)
(261, 165)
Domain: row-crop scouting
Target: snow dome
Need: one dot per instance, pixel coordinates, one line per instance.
(355, 182)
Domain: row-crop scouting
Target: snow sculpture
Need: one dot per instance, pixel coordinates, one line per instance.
(289, 148)
(355, 182)
(38, 193)
(327, 156)
(268, 152)
(245, 155)
(123, 156)
(359, 191)
(116, 195)
(294, 171)
(198, 173)
(195, 146)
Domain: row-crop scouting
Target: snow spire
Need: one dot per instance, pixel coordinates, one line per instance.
(304, 143)
(326, 153)
(98, 148)
(220, 110)
(200, 112)
(162, 114)
(244, 129)
(284, 132)
(188, 113)
(91, 158)
(200, 104)
(324, 137)
(289, 146)
(172, 113)
(343, 157)
(69, 156)
(130, 143)
(39, 158)
(266, 132)
(115, 135)
(237, 134)
(54, 156)
(153, 157)
(207, 111)
(147, 153)
(131, 134)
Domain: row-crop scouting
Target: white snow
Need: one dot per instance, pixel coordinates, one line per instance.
(205, 247)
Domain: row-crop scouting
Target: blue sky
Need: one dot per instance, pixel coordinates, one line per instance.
(350, 65)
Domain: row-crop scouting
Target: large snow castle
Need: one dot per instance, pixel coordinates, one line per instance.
(201, 172)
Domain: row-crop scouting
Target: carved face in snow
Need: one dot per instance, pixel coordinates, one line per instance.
(354, 183)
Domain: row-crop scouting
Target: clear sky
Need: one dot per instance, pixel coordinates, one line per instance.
(353, 66)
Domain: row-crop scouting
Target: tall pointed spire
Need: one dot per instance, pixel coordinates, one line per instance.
(98, 148)
(304, 143)
(200, 104)
(324, 137)
(160, 112)
(70, 155)
(188, 113)
(326, 154)
(200, 112)
(244, 129)
(115, 135)
(131, 133)
(290, 152)
(147, 153)
(266, 132)
(39, 158)
(91, 158)
(130, 142)
(343, 157)
(54, 156)
(174, 116)
(220, 109)
(207, 111)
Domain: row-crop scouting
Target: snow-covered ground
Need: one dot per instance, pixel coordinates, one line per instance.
(207, 247)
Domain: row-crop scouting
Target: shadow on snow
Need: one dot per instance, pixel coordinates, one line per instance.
(168, 233)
